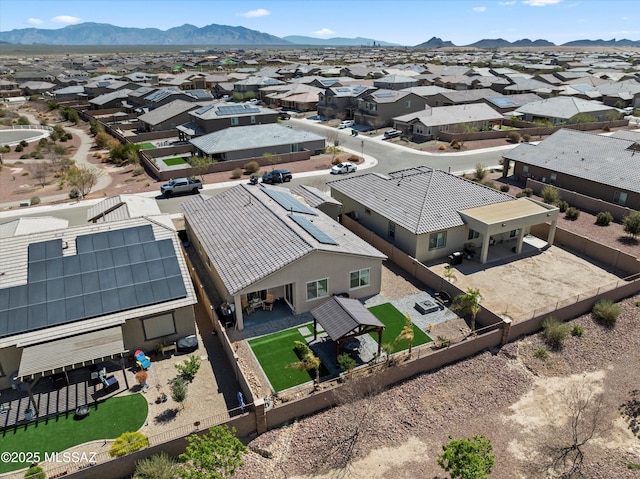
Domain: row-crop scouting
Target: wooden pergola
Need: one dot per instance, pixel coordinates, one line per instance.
(344, 319)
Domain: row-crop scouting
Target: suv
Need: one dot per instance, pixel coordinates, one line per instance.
(392, 133)
(276, 176)
(346, 124)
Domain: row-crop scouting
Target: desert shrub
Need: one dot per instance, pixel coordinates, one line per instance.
(577, 331)
(24, 143)
(35, 200)
(514, 136)
(442, 147)
(563, 206)
(189, 367)
(606, 312)
(550, 195)
(541, 353)
(128, 442)
(528, 192)
(604, 218)
(631, 224)
(35, 472)
(25, 173)
(555, 331)
(354, 158)
(521, 194)
(490, 184)
(251, 167)
(346, 362)
(480, 172)
(236, 173)
(137, 171)
(5, 149)
(504, 188)
(526, 138)
(572, 213)
(18, 148)
(25, 157)
(455, 144)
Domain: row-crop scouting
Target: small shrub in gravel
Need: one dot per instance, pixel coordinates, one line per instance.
(236, 173)
(606, 312)
(572, 214)
(577, 331)
(528, 192)
(514, 137)
(550, 195)
(504, 188)
(520, 195)
(526, 138)
(604, 218)
(541, 354)
(563, 206)
(251, 167)
(35, 200)
(555, 331)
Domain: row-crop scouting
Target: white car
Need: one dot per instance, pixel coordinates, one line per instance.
(392, 133)
(346, 124)
(345, 167)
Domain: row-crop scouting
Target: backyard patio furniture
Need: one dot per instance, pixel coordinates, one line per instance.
(427, 306)
(108, 382)
(246, 307)
(268, 303)
(142, 360)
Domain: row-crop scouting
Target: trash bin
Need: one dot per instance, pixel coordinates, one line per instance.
(456, 257)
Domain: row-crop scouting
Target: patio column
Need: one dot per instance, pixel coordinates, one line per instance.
(238, 306)
(520, 241)
(552, 232)
(485, 248)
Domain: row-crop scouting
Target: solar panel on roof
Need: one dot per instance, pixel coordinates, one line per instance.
(288, 202)
(503, 102)
(313, 230)
(383, 95)
(203, 110)
(236, 110)
(343, 89)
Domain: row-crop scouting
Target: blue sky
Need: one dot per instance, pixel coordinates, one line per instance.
(406, 22)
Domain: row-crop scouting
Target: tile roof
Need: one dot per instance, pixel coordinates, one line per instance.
(602, 159)
(227, 226)
(563, 107)
(313, 196)
(419, 199)
(454, 114)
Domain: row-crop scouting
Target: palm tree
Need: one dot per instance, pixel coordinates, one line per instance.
(407, 332)
(469, 302)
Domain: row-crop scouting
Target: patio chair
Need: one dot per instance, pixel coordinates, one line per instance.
(246, 307)
(108, 382)
(268, 303)
(142, 360)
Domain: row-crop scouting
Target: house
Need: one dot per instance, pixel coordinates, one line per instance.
(427, 124)
(169, 116)
(9, 89)
(395, 82)
(430, 214)
(564, 110)
(253, 141)
(296, 96)
(254, 83)
(118, 287)
(341, 101)
(302, 257)
(377, 109)
(597, 166)
(218, 116)
(115, 99)
(464, 97)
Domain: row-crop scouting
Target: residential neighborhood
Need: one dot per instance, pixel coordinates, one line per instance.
(358, 224)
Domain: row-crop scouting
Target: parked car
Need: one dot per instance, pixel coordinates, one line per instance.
(276, 176)
(181, 186)
(628, 110)
(392, 134)
(346, 124)
(283, 115)
(345, 167)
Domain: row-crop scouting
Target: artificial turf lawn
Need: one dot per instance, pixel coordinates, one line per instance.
(147, 146)
(106, 420)
(394, 322)
(174, 161)
(274, 352)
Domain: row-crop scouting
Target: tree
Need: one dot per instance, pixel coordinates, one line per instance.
(127, 153)
(480, 173)
(214, 455)
(469, 303)
(631, 224)
(308, 360)
(272, 159)
(407, 332)
(158, 466)
(83, 178)
(200, 164)
(179, 390)
(40, 171)
(468, 458)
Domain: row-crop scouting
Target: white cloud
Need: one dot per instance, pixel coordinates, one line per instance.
(513, 2)
(260, 12)
(66, 19)
(35, 21)
(479, 9)
(541, 3)
(323, 32)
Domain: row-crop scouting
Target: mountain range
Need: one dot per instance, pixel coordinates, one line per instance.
(106, 34)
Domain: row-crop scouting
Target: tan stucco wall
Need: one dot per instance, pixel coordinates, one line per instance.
(133, 331)
(10, 361)
(456, 238)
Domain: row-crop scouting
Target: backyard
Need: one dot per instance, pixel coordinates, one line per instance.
(106, 420)
(394, 321)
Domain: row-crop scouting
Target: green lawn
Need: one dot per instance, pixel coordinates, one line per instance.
(147, 146)
(394, 322)
(106, 420)
(174, 161)
(274, 352)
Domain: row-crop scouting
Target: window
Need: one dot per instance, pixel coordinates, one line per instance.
(235, 121)
(1, 371)
(620, 198)
(418, 129)
(317, 289)
(525, 169)
(408, 103)
(513, 233)
(392, 230)
(552, 178)
(438, 240)
(158, 326)
(359, 279)
(253, 119)
(473, 234)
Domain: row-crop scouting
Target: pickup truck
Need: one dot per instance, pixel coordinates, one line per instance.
(181, 186)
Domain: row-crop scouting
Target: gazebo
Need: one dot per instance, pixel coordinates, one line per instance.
(344, 319)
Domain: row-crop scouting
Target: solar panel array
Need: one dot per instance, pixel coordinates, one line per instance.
(313, 230)
(236, 110)
(112, 271)
(288, 202)
(503, 102)
(203, 110)
(384, 95)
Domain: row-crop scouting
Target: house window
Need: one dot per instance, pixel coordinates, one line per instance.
(513, 233)
(359, 279)
(525, 169)
(392, 230)
(317, 289)
(418, 129)
(473, 234)
(253, 119)
(438, 240)
(620, 198)
(552, 178)
(235, 121)
(158, 326)
(1, 371)
(408, 103)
